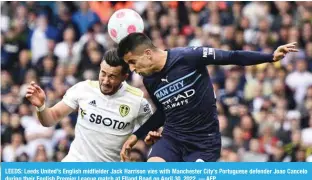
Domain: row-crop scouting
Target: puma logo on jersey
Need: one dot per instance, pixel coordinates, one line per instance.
(165, 79)
(93, 103)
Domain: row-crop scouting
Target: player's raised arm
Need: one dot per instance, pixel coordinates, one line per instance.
(206, 56)
(47, 116)
(149, 123)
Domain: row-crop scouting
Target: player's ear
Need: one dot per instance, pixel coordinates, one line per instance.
(148, 52)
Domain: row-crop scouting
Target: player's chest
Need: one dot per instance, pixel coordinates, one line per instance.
(177, 87)
(117, 113)
(176, 81)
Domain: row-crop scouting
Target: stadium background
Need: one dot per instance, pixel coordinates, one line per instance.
(265, 111)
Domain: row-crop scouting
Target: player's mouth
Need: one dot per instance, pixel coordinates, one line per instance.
(106, 87)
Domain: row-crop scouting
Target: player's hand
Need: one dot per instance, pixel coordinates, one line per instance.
(281, 51)
(126, 148)
(152, 137)
(35, 94)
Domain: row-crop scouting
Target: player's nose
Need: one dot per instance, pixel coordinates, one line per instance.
(105, 81)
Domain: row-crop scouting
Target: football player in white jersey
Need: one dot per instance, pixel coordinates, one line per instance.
(109, 109)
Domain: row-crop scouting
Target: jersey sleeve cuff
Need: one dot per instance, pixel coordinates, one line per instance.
(270, 57)
(70, 104)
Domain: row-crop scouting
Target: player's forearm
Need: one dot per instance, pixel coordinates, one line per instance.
(153, 123)
(48, 117)
(242, 58)
(246, 58)
(51, 116)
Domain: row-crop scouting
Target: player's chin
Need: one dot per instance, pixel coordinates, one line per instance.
(107, 91)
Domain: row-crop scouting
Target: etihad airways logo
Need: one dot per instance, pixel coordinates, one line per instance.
(178, 100)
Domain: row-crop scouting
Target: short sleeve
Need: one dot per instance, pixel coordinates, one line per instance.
(145, 112)
(71, 97)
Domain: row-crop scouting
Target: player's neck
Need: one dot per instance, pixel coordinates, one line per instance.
(161, 60)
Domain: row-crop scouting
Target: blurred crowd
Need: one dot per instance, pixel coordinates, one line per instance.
(265, 111)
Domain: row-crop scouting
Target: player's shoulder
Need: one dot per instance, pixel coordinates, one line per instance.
(87, 84)
(179, 50)
(175, 55)
(92, 84)
(133, 91)
(183, 52)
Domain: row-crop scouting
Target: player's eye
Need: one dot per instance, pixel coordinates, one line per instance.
(103, 73)
(112, 77)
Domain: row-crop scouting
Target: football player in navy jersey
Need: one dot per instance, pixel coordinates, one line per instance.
(179, 84)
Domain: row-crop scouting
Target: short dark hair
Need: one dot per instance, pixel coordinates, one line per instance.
(111, 58)
(132, 41)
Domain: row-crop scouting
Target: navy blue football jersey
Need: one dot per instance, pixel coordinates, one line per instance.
(184, 95)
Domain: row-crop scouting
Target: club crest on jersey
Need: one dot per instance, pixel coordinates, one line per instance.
(124, 110)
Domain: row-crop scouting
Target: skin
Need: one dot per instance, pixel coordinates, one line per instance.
(152, 137)
(146, 61)
(110, 79)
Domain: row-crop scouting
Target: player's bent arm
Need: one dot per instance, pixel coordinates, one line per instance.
(153, 123)
(51, 116)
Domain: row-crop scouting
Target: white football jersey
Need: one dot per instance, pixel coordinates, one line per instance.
(104, 122)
